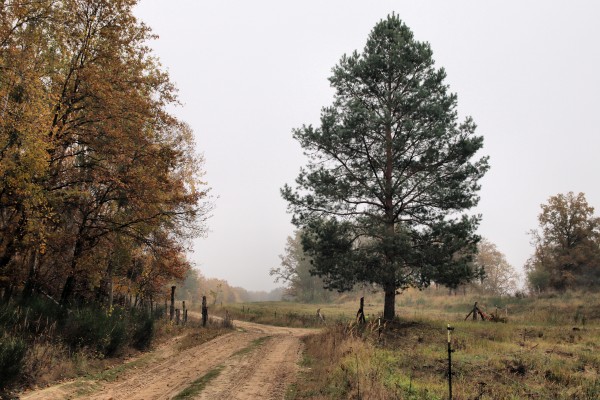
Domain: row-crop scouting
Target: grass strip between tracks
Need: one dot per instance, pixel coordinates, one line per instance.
(253, 345)
(199, 384)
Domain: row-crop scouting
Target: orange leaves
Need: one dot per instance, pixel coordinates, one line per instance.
(92, 164)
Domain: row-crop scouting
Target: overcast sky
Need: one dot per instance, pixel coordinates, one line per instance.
(248, 72)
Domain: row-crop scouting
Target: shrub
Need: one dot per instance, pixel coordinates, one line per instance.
(143, 333)
(95, 329)
(12, 352)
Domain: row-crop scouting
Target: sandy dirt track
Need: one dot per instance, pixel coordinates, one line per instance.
(255, 362)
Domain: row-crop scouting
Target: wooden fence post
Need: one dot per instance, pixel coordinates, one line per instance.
(172, 310)
(184, 312)
(204, 311)
(360, 315)
(177, 316)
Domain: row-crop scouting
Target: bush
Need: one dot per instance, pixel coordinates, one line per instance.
(117, 337)
(95, 329)
(143, 333)
(12, 352)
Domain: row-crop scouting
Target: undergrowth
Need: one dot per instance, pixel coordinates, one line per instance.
(41, 342)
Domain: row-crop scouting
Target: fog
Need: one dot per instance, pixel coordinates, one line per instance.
(250, 72)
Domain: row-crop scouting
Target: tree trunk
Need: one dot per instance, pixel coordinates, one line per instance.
(70, 283)
(389, 305)
(67, 290)
(14, 237)
(110, 285)
(29, 284)
(7, 293)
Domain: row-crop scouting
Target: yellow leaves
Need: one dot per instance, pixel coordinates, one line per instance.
(94, 172)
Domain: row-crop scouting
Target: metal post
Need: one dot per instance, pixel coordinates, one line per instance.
(450, 329)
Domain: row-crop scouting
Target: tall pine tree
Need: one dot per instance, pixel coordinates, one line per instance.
(390, 171)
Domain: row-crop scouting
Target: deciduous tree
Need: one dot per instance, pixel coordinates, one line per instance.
(294, 271)
(98, 181)
(567, 245)
(498, 276)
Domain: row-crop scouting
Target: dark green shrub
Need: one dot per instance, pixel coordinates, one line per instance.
(12, 352)
(117, 337)
(95, 329)
(143, 333)
(86, 328)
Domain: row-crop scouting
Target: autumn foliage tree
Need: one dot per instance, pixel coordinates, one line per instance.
(567, 246)
(497, 277)
(101, 186)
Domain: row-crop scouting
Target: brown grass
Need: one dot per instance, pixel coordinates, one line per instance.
(547, 350)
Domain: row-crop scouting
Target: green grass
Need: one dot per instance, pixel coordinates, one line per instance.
(199, 384)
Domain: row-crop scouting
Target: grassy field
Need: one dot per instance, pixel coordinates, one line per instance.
(548, 349)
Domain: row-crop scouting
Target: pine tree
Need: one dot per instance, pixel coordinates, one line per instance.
(390, 171)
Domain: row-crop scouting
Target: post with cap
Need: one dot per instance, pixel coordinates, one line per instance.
(450, 329)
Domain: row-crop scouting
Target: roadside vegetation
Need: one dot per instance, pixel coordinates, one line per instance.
(42, 343)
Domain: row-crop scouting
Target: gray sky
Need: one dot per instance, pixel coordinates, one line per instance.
(250, 71)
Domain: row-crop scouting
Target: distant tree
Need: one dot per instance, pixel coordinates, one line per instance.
(390, 171)
(190, 287)
(567, 245)
(498, 276)
(294, 271)
(216, 292)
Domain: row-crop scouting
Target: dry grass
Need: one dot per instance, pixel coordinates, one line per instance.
(547, 350)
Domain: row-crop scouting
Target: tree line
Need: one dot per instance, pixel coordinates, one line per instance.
(566, 257)
(100, 186)
(217, 291)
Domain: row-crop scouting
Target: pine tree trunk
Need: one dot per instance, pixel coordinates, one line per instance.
(389, 305)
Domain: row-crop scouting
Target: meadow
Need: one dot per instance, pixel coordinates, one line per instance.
(547, 349)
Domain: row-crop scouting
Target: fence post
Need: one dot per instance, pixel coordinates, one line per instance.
(360, 315)
(450, 351)
(204, 311)
(184, 312)
(172, 310)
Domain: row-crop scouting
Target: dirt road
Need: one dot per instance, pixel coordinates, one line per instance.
(253, 362)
